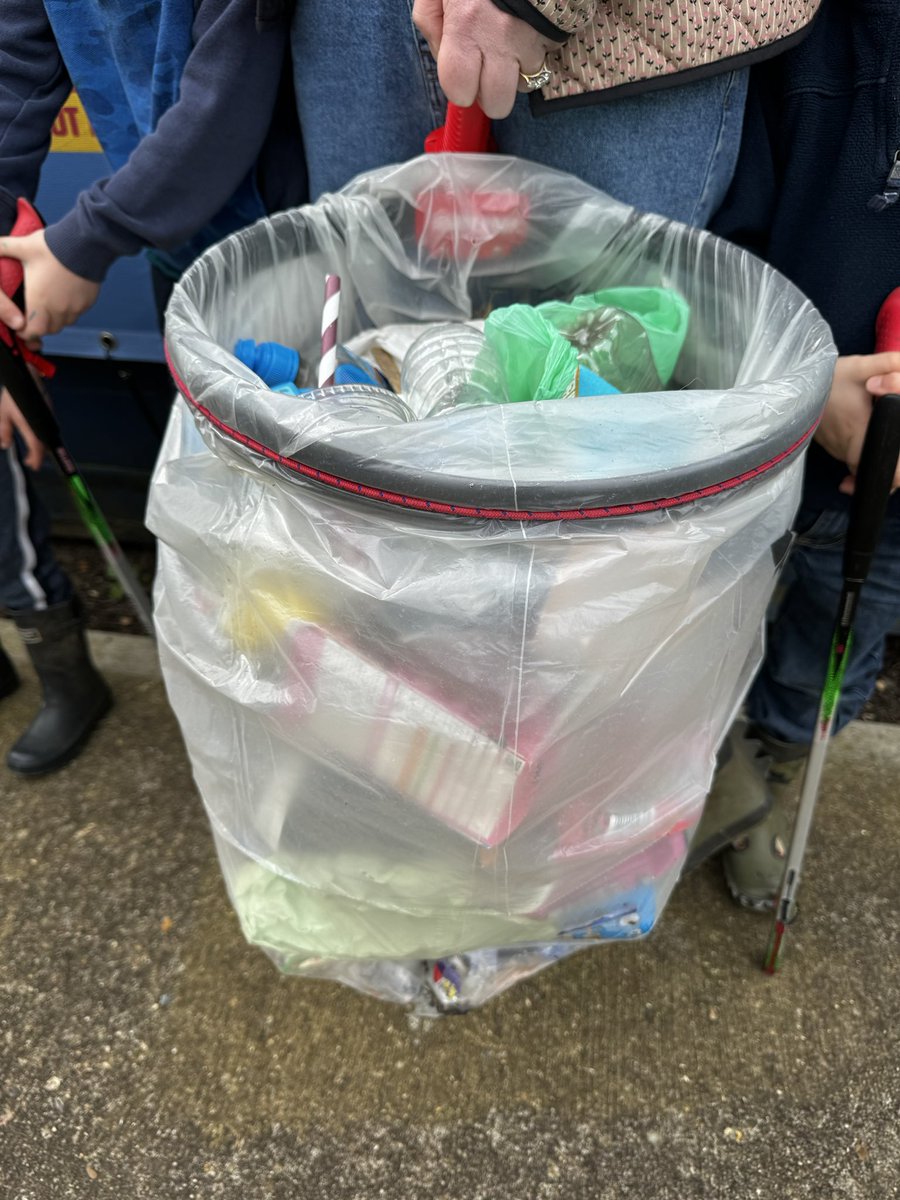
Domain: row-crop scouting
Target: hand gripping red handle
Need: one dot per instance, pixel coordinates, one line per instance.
(11, 276)
(878, 463)
(27, 221)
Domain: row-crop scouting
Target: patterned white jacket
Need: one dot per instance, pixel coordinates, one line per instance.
(638, 45)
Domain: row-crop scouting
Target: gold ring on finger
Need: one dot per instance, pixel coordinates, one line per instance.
(538, 79)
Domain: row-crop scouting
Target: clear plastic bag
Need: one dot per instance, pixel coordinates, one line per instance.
(452, 690)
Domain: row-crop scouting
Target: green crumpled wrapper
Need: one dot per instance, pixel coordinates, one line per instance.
(537, 363)
(629, 336)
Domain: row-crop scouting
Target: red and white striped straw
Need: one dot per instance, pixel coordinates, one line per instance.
(330, 313)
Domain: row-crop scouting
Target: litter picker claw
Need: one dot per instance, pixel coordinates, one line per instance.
(15, 360)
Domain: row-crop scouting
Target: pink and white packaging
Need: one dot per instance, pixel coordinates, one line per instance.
(406, 739)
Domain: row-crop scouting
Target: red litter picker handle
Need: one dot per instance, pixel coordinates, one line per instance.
(11, 279)
(11, 274)
(16, 357)
(887, 324)
(465, 131)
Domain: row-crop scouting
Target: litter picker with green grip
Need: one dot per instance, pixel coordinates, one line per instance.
(16, 377)
(874, 477)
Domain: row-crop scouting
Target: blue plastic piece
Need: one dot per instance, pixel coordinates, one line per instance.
(351, 373)
(271, 361)
(373, 375)
(591, 384)
(288, 389)
(632, 914)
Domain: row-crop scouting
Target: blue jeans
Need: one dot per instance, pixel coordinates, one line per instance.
(367, 96)
(30, 577)
(784, 699)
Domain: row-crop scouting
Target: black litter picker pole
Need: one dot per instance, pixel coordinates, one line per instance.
(17, 378)
(874, 477)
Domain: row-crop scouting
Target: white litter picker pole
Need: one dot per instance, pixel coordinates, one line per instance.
(877, 466)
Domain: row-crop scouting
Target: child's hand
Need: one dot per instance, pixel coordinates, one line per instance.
(858, 378)
(54, 296)
(12, 421)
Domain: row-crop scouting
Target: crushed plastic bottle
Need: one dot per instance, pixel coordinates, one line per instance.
(451, 366)
(613, 344)
(631, 336)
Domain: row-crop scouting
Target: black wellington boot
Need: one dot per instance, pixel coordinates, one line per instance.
(75, 695)
(9, 680)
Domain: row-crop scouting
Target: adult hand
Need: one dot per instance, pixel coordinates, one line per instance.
(11, 420)
(858, 378)
(54, 295)
(480, 51)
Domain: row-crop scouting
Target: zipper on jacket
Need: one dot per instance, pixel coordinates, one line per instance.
(891, 192)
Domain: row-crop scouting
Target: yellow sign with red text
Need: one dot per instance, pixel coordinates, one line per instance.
(72, 133)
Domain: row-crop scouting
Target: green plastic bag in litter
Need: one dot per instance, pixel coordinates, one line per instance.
(537, 362)
(360, 906)
(630, 336)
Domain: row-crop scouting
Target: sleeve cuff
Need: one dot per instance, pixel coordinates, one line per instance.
(525, 11)
(78, 251)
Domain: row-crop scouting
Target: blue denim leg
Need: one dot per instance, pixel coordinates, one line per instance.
(784, 699)
(366, 88)
(672, 152)
(367, 95)
(30, 576)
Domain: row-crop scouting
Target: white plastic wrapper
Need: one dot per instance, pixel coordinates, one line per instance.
(452, 689)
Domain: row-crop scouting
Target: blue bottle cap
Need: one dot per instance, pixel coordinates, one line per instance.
(271, 361)
(245, 350)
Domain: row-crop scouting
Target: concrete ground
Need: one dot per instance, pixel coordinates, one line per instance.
(147, 1052)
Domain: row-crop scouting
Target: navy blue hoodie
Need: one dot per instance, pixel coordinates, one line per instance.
(182, 95)
(821, 137)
